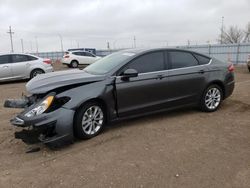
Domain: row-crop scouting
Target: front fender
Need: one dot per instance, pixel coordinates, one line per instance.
(103, 90)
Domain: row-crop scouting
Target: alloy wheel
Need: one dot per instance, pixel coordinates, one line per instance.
(92, 120)
(36, 72)
(74, 64)
(213, 98)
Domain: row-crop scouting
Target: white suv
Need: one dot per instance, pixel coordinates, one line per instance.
(75, 58)
(22, 66)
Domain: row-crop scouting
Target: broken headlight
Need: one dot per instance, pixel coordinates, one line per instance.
(41, 107)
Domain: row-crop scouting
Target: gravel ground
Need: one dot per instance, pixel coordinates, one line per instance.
(183, 148)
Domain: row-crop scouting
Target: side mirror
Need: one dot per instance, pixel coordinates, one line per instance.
(129, 73)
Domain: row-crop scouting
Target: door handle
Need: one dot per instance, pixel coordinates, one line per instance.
(201, 71)
(5, 66)
(160, 76)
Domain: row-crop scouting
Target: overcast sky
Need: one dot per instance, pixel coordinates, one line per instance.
(93, 23)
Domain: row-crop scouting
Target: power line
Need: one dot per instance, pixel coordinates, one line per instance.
(11, 33)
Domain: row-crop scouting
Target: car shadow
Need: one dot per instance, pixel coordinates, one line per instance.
(151, 117)
(14, 82)
(32, 139)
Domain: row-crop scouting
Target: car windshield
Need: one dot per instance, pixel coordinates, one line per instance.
(108, 63)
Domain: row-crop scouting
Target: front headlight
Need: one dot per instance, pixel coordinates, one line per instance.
(40, 107)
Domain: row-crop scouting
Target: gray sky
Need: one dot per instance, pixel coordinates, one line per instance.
(93, 23)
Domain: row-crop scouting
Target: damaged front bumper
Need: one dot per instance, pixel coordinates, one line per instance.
(55, 126)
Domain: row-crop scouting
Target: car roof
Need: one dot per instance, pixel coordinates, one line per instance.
(13, 53)
(145, 50)
(79, 51)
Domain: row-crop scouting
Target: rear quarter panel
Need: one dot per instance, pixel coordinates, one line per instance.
(218, 72)
(37, 64)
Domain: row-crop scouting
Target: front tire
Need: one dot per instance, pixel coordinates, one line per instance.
(90, 120)
(211, 99)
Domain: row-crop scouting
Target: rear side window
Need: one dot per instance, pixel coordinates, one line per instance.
(19, 58)
(4, 59)
(89, 54)
(77, 53)
(31, 58)
(148, 63)
(202, 59)
(180, 59)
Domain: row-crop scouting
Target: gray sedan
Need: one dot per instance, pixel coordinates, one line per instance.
(122, 85)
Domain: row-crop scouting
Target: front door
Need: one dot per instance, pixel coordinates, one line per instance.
(142, 93)
(5, 67)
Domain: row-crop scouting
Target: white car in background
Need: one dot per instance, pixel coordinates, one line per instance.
(22, 66)
(75, 58)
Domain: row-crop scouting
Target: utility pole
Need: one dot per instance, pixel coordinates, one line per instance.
(134, 42)
(108, 46)
(61, 42)
(11, 33)
(36, 45)
(31, 48)
(222, 29)
(22, 45)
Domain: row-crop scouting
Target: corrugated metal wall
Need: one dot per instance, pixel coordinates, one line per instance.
(237, 53)
(50, 55)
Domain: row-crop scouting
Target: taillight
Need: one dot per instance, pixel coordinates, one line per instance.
(66, 56)
(231, 68)
(47, 61)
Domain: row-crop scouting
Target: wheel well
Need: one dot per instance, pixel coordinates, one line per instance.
(220, 84)
(74, 60)
(36, 69)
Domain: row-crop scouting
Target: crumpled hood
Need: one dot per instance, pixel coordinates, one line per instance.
(49, 81)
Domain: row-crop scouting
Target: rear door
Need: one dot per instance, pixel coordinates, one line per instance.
(5, 67)
(143, 93)
(186, 78)
(89, 58)
(79, 56)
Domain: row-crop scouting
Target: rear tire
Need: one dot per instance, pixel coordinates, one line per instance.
(90, 120)
(212, 98)
(74, 64)
(36, 72)
(249, 69)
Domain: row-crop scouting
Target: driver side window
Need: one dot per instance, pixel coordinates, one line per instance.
(150, 62)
